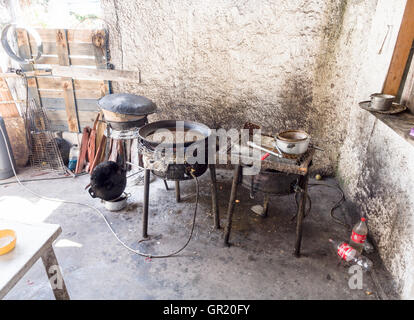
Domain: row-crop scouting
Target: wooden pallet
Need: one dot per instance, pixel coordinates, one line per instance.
(14, 125)
(71, 104)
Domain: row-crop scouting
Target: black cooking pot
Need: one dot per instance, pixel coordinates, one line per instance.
(108, 181)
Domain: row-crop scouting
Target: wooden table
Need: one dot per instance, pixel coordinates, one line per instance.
(301, 168)
(34, 241)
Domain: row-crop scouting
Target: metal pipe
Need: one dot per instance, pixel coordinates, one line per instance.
(230, 210)
(214, 200)
(253, 145)
(146, 200)
(177, 191)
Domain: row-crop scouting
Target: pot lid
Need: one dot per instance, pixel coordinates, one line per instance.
(126, 103)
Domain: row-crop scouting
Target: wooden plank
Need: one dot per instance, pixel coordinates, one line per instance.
(96, 74)
(75, 49)
(68, 94)
(79, 61)
(70, 102)
(81, 104)
(80, 94)
(401, 51)
(16, 131)
(407, 96)
(7, 110)
(28, 74)
(99, 41)
(26, 51)
(60, 115)
(72, 35)
(56, 83)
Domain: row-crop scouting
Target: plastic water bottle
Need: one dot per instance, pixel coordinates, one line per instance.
(349, 254)
(73, 157)
(359, 235)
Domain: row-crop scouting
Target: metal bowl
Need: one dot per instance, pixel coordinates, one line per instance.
(117, 204)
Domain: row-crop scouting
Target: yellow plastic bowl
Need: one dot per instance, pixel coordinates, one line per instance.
(9, 247)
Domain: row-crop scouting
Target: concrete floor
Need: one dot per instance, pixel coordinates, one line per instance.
(259, 265)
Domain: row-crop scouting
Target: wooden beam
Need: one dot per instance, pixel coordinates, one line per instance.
(401, 51)
(407, 95)
(99, 40)
(72, 35)
(82, 74)
(7, 109)
(96, 74)
(68, 94)
(35, 73)
(25, 50)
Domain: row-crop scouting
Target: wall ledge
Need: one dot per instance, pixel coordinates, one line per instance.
(400, 123)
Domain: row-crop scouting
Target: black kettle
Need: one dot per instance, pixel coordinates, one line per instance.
(108, 181)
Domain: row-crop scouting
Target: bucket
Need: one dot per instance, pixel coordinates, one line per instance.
(6, 169)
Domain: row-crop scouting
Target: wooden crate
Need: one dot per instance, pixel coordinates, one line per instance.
(71, 104)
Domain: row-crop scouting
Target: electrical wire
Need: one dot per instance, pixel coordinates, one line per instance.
(102, 215)
(337, 204)
(33, 180)
(331, 212)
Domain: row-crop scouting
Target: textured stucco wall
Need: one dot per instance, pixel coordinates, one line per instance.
(283, 64)
(375, 162)
(229, 61)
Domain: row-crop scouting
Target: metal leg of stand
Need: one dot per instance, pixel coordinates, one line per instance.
(265, 205)
(177, 191)
(230, 209)
(214, 200)
(146, 200)
(303, 184)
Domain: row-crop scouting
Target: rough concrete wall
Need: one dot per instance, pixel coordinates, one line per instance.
(374, 163)
(227, 62)
(283, 64)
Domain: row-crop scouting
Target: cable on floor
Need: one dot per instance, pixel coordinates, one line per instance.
(102, 215)
(336, 206)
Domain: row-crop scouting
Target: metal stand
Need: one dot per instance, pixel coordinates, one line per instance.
(303, 185)
(230, 209)
(265, 205)
(146, 202)
(214, 200)
(177, 191)
(178, 198)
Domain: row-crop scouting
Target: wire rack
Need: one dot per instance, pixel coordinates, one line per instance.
(44, 153)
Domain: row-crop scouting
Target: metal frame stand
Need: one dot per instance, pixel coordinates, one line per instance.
(303, 185)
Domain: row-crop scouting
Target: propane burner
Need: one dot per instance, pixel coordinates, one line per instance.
(170, 148)
(177, 156)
